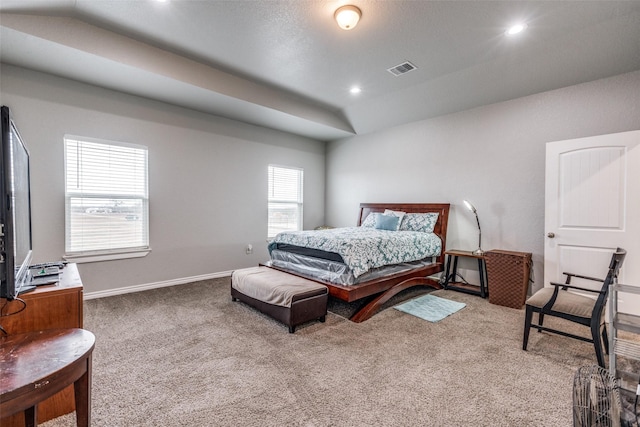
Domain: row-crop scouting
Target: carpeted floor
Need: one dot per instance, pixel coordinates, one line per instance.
(189, 356)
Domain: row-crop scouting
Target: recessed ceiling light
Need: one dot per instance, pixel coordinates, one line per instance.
(515, 29)
(355, 90)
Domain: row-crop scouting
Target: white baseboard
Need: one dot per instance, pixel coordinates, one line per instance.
(147, 286)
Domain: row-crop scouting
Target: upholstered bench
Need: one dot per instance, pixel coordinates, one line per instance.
(289, 299)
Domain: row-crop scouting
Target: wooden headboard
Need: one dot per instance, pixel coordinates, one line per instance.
(441, 208)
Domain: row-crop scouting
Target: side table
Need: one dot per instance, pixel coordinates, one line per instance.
(57, 306)
(451, 272)
(37, 365)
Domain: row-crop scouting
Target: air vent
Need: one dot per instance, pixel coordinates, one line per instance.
(403, 68)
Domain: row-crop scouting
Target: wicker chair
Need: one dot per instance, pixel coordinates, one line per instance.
(558, 301)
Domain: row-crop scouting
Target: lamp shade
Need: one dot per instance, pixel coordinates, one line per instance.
(469, 206)
(472, 208)
(347, 17)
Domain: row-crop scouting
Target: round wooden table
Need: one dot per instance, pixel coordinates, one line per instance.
(37, 365)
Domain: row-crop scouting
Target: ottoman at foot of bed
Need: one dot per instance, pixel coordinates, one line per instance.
(304, 300)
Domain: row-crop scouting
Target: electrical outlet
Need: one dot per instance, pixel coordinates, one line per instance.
(249, 249)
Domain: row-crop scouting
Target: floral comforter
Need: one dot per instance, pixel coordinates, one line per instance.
(365, 248)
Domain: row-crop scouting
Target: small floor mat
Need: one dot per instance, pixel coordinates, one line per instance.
(430, 307)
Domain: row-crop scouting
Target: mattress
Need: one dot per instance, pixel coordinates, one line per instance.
(362, 248)
(338, 273)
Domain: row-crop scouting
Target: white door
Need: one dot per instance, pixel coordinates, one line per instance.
(592, 206)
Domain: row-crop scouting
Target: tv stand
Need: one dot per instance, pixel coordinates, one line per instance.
(27, 288)
(56, 306)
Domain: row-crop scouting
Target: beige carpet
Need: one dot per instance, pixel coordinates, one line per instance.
(189, 356)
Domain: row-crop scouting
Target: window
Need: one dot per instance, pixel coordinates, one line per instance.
(106, 199)
(285, 199)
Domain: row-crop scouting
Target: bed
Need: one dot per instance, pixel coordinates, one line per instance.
(311, 260)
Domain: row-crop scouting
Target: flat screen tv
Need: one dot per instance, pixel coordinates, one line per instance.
(15, 211)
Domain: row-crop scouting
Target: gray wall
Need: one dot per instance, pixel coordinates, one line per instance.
(207, 177)
(494, 156)
(208, 174)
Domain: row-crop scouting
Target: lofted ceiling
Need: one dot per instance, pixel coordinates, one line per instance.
(286, 65)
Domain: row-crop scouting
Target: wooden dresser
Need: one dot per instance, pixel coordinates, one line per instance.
(48, 307)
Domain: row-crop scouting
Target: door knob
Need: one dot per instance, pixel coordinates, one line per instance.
(551, 235)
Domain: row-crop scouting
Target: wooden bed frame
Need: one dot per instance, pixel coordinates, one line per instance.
(389, 286)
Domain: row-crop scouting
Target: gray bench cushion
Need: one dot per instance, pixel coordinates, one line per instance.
(273, 286)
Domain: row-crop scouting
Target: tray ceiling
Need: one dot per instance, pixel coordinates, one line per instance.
(286, 64)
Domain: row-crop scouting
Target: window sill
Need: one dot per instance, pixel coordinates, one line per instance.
(107, 256)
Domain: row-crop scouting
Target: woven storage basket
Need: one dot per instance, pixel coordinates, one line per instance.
(508, 277)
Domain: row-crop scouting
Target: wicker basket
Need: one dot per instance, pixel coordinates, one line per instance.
(508, 277)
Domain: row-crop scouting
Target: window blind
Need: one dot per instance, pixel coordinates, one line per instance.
(106, 196)
(285, 199)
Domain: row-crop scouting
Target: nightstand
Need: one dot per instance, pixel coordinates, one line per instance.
(451, 272)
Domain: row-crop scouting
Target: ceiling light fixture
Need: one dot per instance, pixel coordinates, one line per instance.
(515, 29)
(355, 90)
(347, 17)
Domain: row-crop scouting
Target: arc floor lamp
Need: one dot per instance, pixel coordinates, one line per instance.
(472, 208)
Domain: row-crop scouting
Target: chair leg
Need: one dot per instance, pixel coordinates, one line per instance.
(527, 327)
(597, 343)
(540, 320)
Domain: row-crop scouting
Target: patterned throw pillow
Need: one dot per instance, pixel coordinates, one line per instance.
(424, 222)
(370, 220)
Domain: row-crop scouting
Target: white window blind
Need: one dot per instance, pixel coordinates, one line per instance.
(106, 197)
(285, 199)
